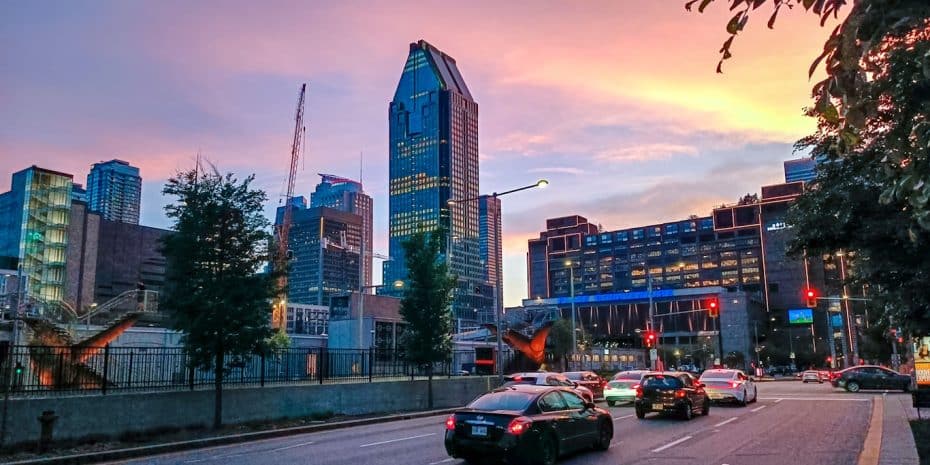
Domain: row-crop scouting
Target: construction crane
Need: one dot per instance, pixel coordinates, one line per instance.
(282, 254)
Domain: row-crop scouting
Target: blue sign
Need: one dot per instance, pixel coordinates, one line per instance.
(836, 320)
(800, 316)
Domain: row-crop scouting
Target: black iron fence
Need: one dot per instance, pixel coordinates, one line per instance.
(30, 370)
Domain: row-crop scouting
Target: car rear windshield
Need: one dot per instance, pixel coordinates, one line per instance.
(520, 380)
(622, 384)
(718, 375)
(509, 400)
(573, 375)
(670, 382)
(635, 376)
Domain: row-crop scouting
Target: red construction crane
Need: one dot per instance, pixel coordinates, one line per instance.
(283, 230)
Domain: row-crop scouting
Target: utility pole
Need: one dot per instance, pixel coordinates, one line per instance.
(652, 323)
(571, 284)
(17, 315)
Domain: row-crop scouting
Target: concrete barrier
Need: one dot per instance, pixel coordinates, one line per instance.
(113, 415)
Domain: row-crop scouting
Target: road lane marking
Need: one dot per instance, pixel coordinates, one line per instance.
(442, 461)
(873, 438)
(725, 422)
(758, 408)
(848, 399)
(397, 440)
(625, 416)
(778, 400)
(671, 444)
(292, 446)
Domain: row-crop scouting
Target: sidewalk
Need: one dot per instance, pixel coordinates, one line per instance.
(898, 447)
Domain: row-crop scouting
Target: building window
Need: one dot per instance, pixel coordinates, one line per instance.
(623, 236)
(671, 229)
(638, 234)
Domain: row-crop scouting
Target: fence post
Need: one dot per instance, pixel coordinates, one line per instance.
(59, 380)
(129, 381)
(319, 363)
(106, 366)
(261, 354)
(371, 363)
(190, 373)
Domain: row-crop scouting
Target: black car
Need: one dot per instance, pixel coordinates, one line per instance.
(526, 424)
(671, 392)
(870, 377)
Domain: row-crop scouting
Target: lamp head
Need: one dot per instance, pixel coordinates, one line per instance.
(542, 183)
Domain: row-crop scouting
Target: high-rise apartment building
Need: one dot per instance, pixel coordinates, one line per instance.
(490, 247)
(433, 145)
(114, 189)
(346, 195)
(34, 217)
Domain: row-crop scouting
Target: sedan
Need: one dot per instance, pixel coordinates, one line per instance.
(526, 424)
(620, 391)
(871, 377)
(588, 379)
(671, 392)
(541, 378)
(724, 385)
(811, 376)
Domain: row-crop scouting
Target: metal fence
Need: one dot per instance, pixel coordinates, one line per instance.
(48, 370)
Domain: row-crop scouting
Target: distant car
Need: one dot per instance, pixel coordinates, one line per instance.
(623, 390)
(545, 378)
(630, 374)
(526, 424)
(724, 385)
(871, 377)
(590, 380)
(811, 376)
(671, 392)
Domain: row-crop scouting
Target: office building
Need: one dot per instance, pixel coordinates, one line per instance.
(433, 146)
(490, 249)
(801, 169)
(346, 195)
(34, 217)
(325, 250)
(114, 189)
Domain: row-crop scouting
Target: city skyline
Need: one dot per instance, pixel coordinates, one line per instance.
(580, 112)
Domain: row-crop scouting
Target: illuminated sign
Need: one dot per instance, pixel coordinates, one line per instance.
(922, 362)
(800, 316)
(776, 226)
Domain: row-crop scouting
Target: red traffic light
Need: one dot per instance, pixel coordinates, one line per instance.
(810, 297)
(649, 339)
(713, 308)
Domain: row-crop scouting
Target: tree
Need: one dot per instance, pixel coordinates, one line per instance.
(560, 340)
(425, 305)
(215, 295)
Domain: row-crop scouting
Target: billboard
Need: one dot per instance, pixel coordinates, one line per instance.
(922, 362)
(800, 316)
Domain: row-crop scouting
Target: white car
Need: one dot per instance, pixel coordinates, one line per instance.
(729, 385)
(811, 376)
(623, 390)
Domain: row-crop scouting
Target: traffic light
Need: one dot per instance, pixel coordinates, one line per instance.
(713, 308)
(19, 368)
(810, 297)
(649, 339)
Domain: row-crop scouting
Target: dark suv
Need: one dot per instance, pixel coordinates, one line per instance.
(590, 380)
(671, 392)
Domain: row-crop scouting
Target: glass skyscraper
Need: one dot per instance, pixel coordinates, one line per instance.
(346, 195)
(114, 189)
(433, 144)
(489, 232)
(801, 169)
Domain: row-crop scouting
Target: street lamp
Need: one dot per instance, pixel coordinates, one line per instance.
(497, 310)
(571, 286)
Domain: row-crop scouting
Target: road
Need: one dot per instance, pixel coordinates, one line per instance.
(793, 423)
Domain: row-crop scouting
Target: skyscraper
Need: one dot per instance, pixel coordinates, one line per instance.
(346, 195)
(489, 244)
(801, 169)
(114, 189)
(433, 144)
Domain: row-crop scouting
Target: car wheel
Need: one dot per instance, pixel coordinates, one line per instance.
(605, 433)
(755, 395)
(706, 409)
(640, 413)
(611, 403)
(548, 451)
(742, 402)
(805, 381)
(852, 386)
(688, 413)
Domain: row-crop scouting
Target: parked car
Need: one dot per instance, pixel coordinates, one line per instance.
(871, 377)
(523, 423)
(590, 380)
(545, 378)
(623, 390)
(811, 376)
(723, 385)
(671, 392)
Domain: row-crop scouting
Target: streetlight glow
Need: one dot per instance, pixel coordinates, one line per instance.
(542, 183)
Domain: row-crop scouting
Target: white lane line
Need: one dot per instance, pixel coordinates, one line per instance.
(758, 408)
(397, 440)
(623, 417)
(442, 461)
(848, 399)
(214, 457)
(292, 446)
(725, 422)
(778, 400)
(671, 444)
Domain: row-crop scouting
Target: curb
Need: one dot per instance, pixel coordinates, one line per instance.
(144, 451)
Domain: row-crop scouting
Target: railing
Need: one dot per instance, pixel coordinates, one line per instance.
(45, 370)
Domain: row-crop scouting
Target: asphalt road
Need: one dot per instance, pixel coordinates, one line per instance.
(793, 423)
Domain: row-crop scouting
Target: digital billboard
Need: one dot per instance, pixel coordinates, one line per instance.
(922, 362)
(800, 316)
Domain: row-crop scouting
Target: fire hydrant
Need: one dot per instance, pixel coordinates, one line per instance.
(47, 419)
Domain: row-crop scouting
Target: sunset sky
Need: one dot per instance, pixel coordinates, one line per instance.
(615, 102)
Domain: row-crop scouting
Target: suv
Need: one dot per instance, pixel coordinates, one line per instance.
(590, 380)
(545, 378)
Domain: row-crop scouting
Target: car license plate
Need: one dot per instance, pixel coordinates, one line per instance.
(479, 430)
(658, 407)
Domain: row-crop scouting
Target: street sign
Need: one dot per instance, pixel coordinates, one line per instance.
(653, 354)
(792, 355)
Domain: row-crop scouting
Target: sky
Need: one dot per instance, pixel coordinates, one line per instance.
(616, 103)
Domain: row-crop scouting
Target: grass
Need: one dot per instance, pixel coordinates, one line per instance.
(921, 430)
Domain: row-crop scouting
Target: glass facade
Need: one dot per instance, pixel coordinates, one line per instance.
(114, 190)
(433, 143)
(801, 169)
(347, 195)
(489, 232)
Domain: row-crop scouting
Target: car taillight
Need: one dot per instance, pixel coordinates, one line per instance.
(680, 394)
(519, 425)
(639, 391)
(450, 423)
(735, 384)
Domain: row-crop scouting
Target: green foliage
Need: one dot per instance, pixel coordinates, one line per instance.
(560, 338)
(278, 341)
(427, 296)
(213, 293)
